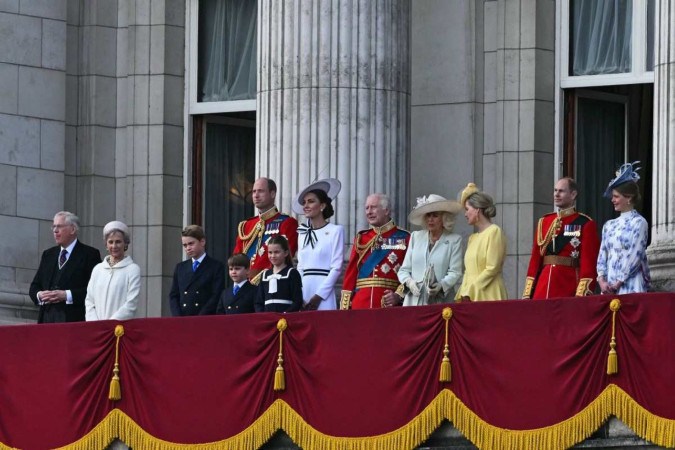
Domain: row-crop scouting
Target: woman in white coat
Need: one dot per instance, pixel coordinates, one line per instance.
(433, 263)
(320, 244)
(115, 283)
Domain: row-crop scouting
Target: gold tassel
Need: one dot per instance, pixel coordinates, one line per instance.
(279, 375)
(115, 389)
(613, 358)
(446, 370)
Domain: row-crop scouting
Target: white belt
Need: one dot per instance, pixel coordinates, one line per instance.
(278, 302)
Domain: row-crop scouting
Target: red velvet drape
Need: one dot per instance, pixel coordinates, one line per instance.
(518, 365)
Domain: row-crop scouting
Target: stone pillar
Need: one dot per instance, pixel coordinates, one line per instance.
(334, 100)
(661, 252)
(149, 151)
(517, 120)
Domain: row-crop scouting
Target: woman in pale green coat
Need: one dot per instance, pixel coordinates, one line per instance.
(433, 263)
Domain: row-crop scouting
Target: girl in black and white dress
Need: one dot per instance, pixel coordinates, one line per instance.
(280, 288)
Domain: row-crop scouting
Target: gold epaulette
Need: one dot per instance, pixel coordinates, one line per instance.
(346, 300)
(583, 288)
(256, 279)
(529, 283)
(585, 215)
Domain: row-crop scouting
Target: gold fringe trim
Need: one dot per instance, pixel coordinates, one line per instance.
(612, 401)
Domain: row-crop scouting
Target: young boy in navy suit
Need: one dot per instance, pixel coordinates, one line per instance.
(239, 298)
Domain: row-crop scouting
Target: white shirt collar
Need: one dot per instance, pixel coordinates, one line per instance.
(200, 259)
(241, 283)
(70, 248)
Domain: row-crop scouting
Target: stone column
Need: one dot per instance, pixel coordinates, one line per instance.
(661, 252)
(334, 100)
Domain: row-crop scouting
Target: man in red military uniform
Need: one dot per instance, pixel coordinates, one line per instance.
(254, 232)
(565, 249)
(371, 279)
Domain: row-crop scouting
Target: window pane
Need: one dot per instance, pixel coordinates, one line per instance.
(228, 179)
(600, 149)
(650, 34)
(227, 50)
(600, 33)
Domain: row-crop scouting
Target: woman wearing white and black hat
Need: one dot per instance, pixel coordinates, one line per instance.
(320, 244)
(433, 263)
(115, 283)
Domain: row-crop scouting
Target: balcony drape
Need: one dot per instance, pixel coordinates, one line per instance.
(525, 374)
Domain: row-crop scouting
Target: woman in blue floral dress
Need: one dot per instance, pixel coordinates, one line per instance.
(622, 261)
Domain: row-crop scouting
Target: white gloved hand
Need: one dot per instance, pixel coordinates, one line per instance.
(435, 289)
(413, 287)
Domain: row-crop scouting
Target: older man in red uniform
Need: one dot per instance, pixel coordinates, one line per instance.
(254, 232)
(565, 250)
(371, 279)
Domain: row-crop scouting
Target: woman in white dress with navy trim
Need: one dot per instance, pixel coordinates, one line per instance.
(320, 244)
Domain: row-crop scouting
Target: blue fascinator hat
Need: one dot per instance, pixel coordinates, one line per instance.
(627, 172)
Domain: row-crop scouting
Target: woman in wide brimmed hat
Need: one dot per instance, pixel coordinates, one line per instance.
(433, 262)
(115, 283)
(622, 260)
(485, 250)
(320, 244)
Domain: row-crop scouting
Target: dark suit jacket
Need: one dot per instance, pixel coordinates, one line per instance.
(196, 293)
(74, 277)
(237, 304)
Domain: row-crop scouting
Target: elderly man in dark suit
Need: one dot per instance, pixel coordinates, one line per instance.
(60, 284)
(198, 281)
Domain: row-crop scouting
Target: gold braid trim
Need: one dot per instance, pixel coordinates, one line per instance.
(446, 406)
(529, 283)
(543, 241)
(346, 300)
(583, 287)
(362, 249)
(255, 234)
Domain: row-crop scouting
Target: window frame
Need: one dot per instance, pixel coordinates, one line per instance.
(195, 107)
(638, 73)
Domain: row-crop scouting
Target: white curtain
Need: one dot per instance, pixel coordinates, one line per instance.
(227, 50)
(600, 143)
(601, 36)
(228, 179)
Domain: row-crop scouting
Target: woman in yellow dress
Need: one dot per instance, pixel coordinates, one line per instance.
(485, 250)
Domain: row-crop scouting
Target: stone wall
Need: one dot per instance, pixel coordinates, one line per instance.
(32, 138)
(91, 121)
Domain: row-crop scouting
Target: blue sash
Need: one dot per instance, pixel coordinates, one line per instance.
(378, 254)
(271, 228)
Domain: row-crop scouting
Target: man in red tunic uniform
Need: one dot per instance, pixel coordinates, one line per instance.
(565, 249)
(254, 232)
(370, 279)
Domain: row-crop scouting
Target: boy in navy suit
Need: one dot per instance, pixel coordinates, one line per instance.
(197, 281)
(239, 298)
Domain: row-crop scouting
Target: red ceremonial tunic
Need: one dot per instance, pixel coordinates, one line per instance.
(253, 234)
(376, 256)
(564, 256)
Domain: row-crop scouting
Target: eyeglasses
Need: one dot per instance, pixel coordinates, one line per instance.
(58, 227)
